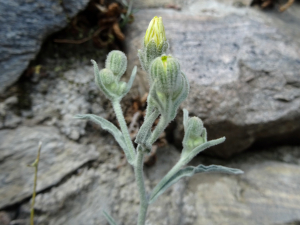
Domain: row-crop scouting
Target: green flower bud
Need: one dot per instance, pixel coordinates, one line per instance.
(110, 84)
(107, 77)
(195, 133)
(195, 129)
(116, 61)
(165, 72)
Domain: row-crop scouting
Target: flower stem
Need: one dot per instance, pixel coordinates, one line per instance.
(124, 129)
(139, 176)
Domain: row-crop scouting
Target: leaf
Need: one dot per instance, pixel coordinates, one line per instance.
(145, 130)
(110, 220)
(190, 171)
(99, 82)
(130, 82)
(190, 155)
(182, 96)
(185, 117)
(106, 125)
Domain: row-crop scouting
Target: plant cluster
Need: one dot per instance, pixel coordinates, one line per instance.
(169, 87)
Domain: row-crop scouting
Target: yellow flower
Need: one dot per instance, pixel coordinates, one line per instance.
(155, 31)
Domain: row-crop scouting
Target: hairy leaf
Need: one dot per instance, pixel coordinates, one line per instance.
(188, 156)
(145, 130)
(99, 82)
(110, 220)
(185, 117)
(190, 171)
(130, 82)
(106, 125)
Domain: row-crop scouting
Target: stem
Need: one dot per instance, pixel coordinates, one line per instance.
(35, 165)
(139, 176)
(161, 126)
(123, 126)
(163, 122)
(145, 130)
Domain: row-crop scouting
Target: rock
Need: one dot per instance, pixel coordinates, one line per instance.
(11, 120)
(179, 4)
(24, 26)
(53, 201)
(82, 198)
(267, 193)
(243, 67)
(59, 157)
(72, 93)
(13, 100)
(4, 218)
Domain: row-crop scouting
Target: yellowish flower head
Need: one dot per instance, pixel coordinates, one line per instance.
(155, 31)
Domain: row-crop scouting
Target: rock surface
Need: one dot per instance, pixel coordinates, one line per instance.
(24, 25)
(18, 148)
(82, 171)
(242, 66)
(266, 194)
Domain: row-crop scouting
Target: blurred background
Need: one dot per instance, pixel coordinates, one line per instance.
(242, 58)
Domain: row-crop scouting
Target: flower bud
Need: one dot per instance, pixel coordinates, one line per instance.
(155, 43)
(155, 32)
(116, 61)
(107, 77)
(196, 127)
(165, 72)
(193, 133)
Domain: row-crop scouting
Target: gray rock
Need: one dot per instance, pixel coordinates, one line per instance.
(24, 26)
(243, 67)
(179, 4)
(54, 200)
(59, 157)
(11, 120)
(263, 195)
(72, 93)
(266, 194)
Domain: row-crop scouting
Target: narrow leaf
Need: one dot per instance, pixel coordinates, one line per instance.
(110, 220)
(190, 171)
(189, 156)
(99, 83)
(145, 130)
(185, 117)
(130, 82)
(106, 125)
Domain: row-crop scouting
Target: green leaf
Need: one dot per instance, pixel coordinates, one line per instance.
(106, 125)
(130, 82)
(145, 130)
(110, 220)
(185, 117)
(187, 157)
(100, 84)
(190, 171)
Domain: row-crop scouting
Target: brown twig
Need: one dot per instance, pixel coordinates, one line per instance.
(286, 5)
(66, 41)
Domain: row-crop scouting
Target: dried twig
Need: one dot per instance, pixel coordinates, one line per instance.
(35, 164)
(286, 5)
(66, 41)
